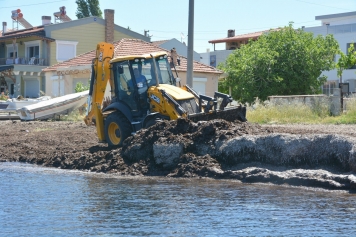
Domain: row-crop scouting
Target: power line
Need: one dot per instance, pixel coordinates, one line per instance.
(248, 30)
(321, 5)
(224, 31)
(34, 4)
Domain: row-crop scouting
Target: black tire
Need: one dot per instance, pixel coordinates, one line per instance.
(117, 129)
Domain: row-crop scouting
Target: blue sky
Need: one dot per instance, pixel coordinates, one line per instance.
(167, 19)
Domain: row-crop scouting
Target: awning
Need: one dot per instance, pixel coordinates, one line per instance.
(5, 67)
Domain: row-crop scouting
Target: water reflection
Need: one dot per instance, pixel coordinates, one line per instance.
(37, 201)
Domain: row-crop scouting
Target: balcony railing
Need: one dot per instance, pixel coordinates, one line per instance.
(24, 61)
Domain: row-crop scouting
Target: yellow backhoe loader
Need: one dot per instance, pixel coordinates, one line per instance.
(144, 91)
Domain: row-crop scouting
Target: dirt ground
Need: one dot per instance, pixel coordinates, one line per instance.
(73, 145)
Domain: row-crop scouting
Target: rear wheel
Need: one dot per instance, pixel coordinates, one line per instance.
(117, 129)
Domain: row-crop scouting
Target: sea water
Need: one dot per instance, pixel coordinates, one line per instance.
(38, 201)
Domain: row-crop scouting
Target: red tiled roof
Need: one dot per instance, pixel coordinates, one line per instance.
(159, 42)
(80, 60)
(34, 31)
(8, 30)
(131, 47)
(248, 36)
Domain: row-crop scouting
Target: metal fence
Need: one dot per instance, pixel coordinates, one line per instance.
(24, 61)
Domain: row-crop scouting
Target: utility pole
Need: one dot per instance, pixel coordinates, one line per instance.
(190, 44)
(341, 94)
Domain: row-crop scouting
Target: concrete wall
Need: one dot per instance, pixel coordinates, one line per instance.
(333, 103)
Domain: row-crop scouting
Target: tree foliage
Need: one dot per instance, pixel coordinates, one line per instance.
(282, 62)
(346, 61)
(79, 87)
(88, 8)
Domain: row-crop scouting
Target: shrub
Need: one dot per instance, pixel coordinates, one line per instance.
(294, 112)
(3, 96)
(79, 87)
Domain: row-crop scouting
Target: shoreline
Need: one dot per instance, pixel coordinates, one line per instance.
(315, 156)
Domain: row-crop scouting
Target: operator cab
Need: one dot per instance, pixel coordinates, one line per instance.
(133, 75)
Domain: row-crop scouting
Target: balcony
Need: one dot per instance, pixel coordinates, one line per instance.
(24, 61)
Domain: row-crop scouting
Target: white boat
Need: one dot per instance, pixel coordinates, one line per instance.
(51, 108)
(15, 104)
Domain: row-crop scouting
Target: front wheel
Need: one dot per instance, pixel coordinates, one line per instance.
(117, 129)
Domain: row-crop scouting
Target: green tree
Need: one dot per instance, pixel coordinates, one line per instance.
(88, 8)
(282, 62)
(346, 61)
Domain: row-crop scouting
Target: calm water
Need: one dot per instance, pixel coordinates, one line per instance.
(37, 201)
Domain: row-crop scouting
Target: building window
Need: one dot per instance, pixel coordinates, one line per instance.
(328, 87)
(213, 60)
(65, 50)
(10, 50)
(348, 46)
(12, 89)
(32, 49)
(12, 55)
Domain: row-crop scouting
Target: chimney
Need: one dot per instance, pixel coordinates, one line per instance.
(46, 20)
(109, 25)
(4, 28)
(230, 33)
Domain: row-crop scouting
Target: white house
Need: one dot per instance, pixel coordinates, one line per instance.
(232, 42)
(343, 27)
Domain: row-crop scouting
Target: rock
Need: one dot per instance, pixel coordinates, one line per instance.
(167, 154)
(352, 182)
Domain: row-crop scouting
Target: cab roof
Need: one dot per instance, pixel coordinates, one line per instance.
(142, 56)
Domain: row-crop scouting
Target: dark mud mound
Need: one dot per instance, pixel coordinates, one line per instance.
(216, 149)
(187, 133)
(220, 149)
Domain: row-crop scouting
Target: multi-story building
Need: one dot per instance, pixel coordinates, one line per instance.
(232, 42)
(343, 27)
(25, 52)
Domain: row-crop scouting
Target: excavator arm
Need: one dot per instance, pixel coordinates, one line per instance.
(100, 76)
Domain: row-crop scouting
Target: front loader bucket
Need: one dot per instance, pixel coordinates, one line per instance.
(229, 114)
